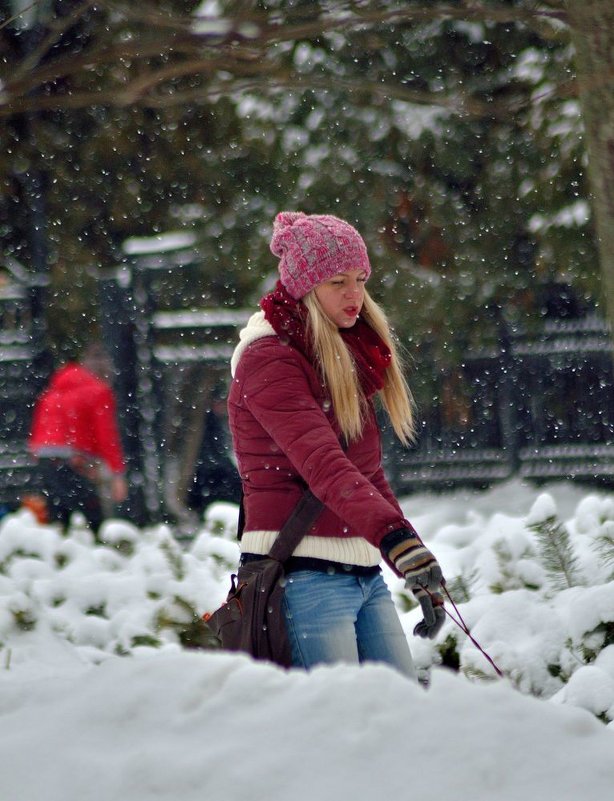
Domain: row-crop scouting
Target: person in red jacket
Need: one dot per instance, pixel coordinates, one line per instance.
(75, 439)
(305, 375)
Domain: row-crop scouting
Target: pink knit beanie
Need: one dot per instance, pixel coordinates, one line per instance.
(313, 248)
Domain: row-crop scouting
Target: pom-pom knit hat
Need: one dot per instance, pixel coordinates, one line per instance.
(313, 248)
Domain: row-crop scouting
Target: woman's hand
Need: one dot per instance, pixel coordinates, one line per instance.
(433, 612)
(406, 552)
(119, 488)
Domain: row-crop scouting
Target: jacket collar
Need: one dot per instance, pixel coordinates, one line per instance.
(257, 328)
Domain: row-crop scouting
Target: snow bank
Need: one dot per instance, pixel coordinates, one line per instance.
(100, 698)
(212, 726)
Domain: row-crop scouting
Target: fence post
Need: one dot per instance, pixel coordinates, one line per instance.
(146, 389)
(507, 390)
(116, 313)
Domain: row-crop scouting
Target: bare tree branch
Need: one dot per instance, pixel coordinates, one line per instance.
(266, 28)
(165, 49)
(16, 16)
(57, 28)
(263, 83)
(366, 17)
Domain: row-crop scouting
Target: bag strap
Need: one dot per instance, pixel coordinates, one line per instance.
(293, 530)
(295, 527)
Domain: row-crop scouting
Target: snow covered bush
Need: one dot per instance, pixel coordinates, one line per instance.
(537, 594)
(135, 589)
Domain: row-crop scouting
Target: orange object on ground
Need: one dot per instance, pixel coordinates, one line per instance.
(37, 505)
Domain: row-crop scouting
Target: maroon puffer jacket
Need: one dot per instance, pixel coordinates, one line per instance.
(285, 436)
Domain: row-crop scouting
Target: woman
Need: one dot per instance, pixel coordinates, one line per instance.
(301, 414)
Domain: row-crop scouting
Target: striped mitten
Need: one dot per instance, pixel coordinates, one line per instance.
(406, 553)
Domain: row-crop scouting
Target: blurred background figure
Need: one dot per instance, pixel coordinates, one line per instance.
(75, 439)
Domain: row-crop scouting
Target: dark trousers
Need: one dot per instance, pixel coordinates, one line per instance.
(67, 491)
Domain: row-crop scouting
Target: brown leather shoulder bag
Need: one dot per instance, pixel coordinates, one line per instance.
(252, 618)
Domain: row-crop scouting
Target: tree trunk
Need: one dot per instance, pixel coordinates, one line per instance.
(592, 30)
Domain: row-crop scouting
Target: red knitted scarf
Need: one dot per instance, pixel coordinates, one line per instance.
(289, 320)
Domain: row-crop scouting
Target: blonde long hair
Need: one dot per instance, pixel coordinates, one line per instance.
(341, 379)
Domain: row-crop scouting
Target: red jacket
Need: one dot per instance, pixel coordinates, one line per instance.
(285, 436)
(77, 412)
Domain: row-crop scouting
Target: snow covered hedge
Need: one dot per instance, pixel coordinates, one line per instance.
(536, 592)
(136, 589)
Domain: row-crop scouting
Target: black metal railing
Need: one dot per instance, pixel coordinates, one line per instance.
(537, 405)
(22, 375)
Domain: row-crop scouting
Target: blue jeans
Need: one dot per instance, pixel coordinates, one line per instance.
(344, 618)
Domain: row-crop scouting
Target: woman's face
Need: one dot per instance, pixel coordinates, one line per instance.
(341, 297)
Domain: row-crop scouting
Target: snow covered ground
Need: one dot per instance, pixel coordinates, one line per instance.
(100, 702)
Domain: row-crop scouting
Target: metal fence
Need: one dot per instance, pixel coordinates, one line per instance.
(536, 405)
(23, 369)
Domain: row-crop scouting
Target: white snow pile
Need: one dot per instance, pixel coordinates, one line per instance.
(102, 695)
(537, 593)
